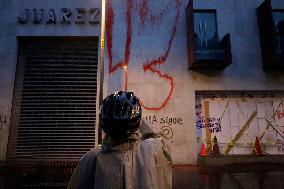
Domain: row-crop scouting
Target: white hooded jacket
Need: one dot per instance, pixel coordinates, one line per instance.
(132, 164)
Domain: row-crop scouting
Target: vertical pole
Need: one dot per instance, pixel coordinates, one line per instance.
(102, 54)
(102, 62)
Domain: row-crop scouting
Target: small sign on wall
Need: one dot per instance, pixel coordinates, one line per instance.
(63, 16)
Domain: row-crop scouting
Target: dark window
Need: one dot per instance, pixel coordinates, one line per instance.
(278, 17)
(54, 104)
(271, 31)
(205, 30)
(205, 50)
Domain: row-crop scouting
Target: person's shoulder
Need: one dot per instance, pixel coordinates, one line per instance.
(155, 142)
(155, 138)
(157, 146)
(92, 153)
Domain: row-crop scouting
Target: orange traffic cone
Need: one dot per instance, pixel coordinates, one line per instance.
(216, 150)
(257, 148)
(203, 150)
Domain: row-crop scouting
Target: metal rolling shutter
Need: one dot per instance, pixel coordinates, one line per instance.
(56, 118)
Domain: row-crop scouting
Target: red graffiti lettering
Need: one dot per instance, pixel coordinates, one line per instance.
(154, 16)
(109, 26)
(143, 11)
(148, 66)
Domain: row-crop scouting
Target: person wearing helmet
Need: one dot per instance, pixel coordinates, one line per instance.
(130, 157)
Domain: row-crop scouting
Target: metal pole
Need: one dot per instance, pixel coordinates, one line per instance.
(102, 54)
(102, 62)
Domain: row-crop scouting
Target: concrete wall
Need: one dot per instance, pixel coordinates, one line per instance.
(156, 68)
(146, 52)
(10, 29)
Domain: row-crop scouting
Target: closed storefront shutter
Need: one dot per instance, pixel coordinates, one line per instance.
(54, 104)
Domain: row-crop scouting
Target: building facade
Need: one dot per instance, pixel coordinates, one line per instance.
(202, 69)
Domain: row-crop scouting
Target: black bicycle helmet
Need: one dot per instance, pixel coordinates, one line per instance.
(120, 114)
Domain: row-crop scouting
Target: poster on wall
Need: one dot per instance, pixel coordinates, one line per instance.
(238, 119)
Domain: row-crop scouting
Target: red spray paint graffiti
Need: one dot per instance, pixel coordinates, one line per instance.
(143, 10)
(149, 65)
(109, 26)
(154, 16)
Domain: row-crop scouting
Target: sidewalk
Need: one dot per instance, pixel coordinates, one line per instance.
(238, 176)
(229, 176)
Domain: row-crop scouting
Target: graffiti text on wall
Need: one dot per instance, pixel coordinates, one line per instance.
(153, 16)
(213, 123)
(149, 65)
(164, 120)
(280, 145)
(241, 118)
(166, 123)
(3, 121)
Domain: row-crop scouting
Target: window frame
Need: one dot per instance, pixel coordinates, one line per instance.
(271, 59)
(210, 62)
